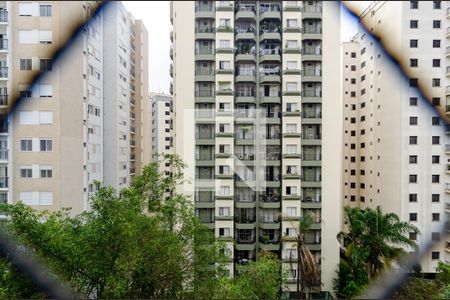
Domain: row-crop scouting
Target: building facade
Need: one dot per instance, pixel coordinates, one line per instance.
(395, 142)
(162, 126)
(257, 110)
(53, 144)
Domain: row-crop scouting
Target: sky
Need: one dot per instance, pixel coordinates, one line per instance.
(155, 15)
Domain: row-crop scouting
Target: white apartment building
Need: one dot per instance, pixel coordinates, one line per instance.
(162, 122)
(395, 144)
(257, 101)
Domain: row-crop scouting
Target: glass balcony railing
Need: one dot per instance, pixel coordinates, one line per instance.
(204, 51)
(245, 197)
(311, 198)
(312, 9)
(312, 72)
(204, 93)
(4, 154)
(270, 198)
(4, 182)
(312, 51)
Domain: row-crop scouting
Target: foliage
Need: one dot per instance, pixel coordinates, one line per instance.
(372, 242)
(257, 280)
(140, 242)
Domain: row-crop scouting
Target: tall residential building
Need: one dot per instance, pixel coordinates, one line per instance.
(125, 65)
(395, 145)
(162, 125)
(53, 146)
(257, 119)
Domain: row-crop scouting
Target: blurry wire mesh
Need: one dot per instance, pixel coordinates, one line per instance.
(383, 37)
(74, 27)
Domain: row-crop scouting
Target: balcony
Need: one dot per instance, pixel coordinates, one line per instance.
(245, 32)
(312, 33)
(312, 54)
(311, 75)
(205, 10)
(204, 95)
(4, 154)
(224, 6)
(245, 52)
(224, 28)
(205, 33)
(271, 136)
(132, 156)
(204, 74)
(270, 198)
(312, 12)
(205, 54)
(270, 55)
(269, 239)
(270, 74)
(224, 91)
(271, 11)
(244, 96)
(245, 197)
(273, 97)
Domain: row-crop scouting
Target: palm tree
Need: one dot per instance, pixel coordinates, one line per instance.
(308, 273)
(381, 237)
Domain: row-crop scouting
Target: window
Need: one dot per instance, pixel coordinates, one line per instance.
(414, 4)
(291, 107)
(45, 117)
(224, 191)
(412, 197)
(224, 149)
(291, 211)
(45, 90)
(413, 236)
(27, 198)
(413, 43)
(45, 198)
(224, 232)
(413, 82)
(224, 211)
(435, 159)
(292, 23)
(291, 128)
(25, 9)
(353, 55)
(413, 159)
(26, 145)
(353, 68)
(291, 86)
(436, 23)
(412, 178)
(436, 4)
(436, 63)
(291, 65)
(45, 145)
(224, 128)
(291, 190)
(412, 120)
(26, 117)
(45, 64)
(413, 140)
(25, 64)
(26, 171)
(435, 217)
(435, 178)
(292, 44)
(45, 37)
(413, 101)
(436, 43)
(435, 140)
(435, 82)
(436, 101)
(46, 171)
(224, 44)
(291, 149)
(45, 10)
(224, 65)
(413, 216)
(413, 24)
(224, 170)
(435, 236)
(224, 22)
(435, 197)
(413, 62)
(435, 255)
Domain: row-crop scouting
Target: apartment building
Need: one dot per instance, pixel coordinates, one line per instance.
(162, 126)
(257, 118)
(126, 91)
(52, 145)
(395, 143)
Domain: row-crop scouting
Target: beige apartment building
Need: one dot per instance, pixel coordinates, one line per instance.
(396, 146)
(55, 146)
(257, 118)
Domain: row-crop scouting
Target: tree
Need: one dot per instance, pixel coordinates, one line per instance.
(307, 268)
(372, 242)
(261, 279)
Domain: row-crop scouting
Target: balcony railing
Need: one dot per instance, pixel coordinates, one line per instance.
(250, 240)
(311, 136)
(244, 198)
(204, 93)
(271, 136)
(268, 240)
(312, 178)
(205, 29)
(312, 9)
(311, 114)
(312, 93)
(204, 51)
(246, 136)
(245, 156)
(311, 30)
(270, 198)
(204, 7)
(245, 219)
(311, 156)
(311, 51)
(269, 51)
(244, 93)
(3, 127)
(312, 72)
(311, 199)
(204, 72)
(272, 177)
